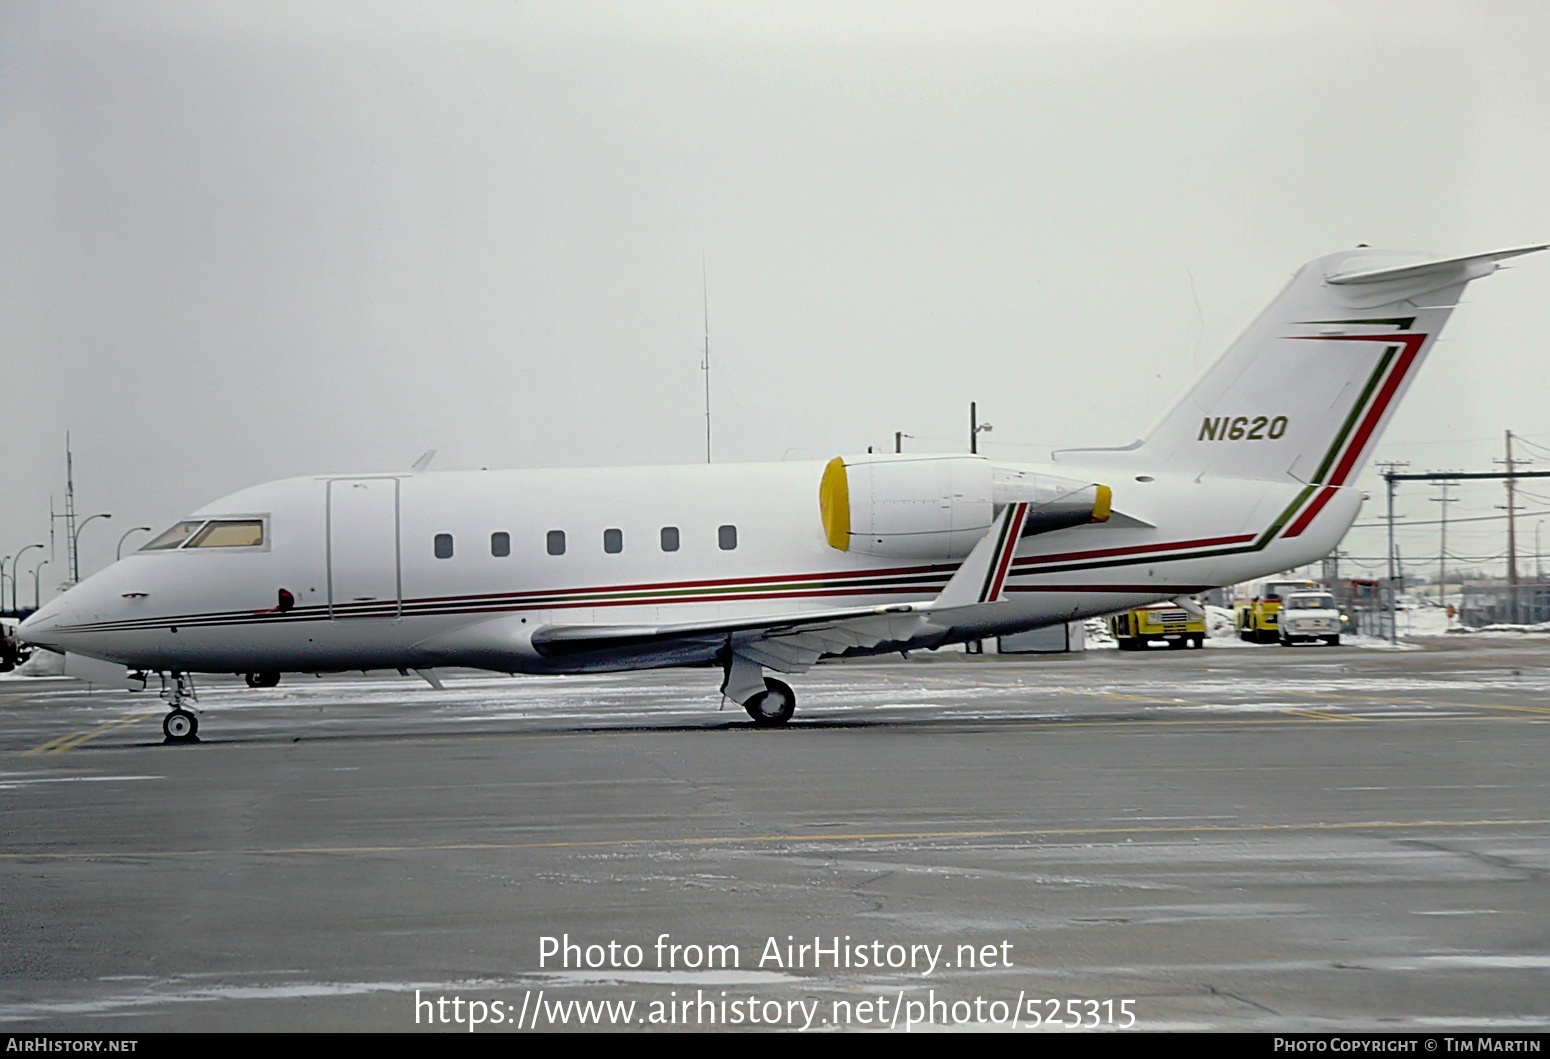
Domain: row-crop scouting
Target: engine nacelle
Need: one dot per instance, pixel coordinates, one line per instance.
(927, 507)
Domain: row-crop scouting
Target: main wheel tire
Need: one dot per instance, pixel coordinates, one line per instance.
(180, 726)
(772, 706)
(266, 679)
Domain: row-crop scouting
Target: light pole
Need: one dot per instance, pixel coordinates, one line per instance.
(2, 581)
(16, 568)
(36, 601)
(976, 428)
(120, 553)
(75, 546)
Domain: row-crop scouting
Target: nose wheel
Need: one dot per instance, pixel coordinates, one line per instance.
(180, 726)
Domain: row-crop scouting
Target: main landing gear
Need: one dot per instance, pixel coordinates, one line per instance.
(774, 705)
(180, 725)
(769, 702)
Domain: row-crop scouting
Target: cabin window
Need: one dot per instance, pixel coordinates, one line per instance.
(500, 545)
(726, 536)
(669, 538)
(443, 545)
(174, 537)
(613, 541)
(229, 533)
(556, 542)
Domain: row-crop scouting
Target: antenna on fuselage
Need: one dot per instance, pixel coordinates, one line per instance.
(705, 364)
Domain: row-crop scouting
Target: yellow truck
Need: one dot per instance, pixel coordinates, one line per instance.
(1161, 622)
(1258, 609)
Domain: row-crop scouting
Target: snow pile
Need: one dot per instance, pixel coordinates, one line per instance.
(1540, 627)
(1221, 623)
(42, 664)
(1097, 635)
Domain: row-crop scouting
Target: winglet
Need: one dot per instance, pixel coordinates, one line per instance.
(982, 577)
(424, 461)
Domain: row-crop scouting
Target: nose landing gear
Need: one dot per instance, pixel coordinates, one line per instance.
(180, 725)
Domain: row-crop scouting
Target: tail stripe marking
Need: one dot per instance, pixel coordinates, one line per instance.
(1401, 369)
(1011, 532)
(1356, 412)
(1313, 509)
(1368, 409)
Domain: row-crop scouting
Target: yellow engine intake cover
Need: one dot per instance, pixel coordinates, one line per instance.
(834, 504)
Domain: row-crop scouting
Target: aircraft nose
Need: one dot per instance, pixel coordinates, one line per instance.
(41, 627)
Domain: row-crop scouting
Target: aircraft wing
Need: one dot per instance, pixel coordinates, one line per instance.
(791, 643)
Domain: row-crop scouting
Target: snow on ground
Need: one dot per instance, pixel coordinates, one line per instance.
(1424, 621)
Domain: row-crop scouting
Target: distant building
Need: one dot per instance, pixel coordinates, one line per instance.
(1491, 603)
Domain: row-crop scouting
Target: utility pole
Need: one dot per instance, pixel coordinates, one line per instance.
(898, 440)
(1390, 469)
(1512, 525)
(1330, 570)
(1442, 551)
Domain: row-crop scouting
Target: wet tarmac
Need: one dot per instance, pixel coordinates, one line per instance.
(1254, 838)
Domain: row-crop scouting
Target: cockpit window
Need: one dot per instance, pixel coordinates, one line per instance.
(174, 537)
(229, 533)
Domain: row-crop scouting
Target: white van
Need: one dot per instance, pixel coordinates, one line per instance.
(1309, 616)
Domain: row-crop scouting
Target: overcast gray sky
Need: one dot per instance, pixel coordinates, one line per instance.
(247, 241)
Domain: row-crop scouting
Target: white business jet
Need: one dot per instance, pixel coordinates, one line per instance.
(755, 567)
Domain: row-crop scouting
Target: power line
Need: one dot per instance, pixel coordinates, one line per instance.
(1407, 523)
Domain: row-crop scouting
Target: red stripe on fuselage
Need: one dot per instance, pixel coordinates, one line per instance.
(1135, 549)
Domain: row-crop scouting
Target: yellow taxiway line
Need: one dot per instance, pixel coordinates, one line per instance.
(71, 740)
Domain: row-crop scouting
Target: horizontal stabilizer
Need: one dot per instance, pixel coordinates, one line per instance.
(1476, 265)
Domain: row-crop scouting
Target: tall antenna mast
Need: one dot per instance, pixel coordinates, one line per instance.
(705, 364)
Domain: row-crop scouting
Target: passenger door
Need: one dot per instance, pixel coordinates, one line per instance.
(365, 577)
